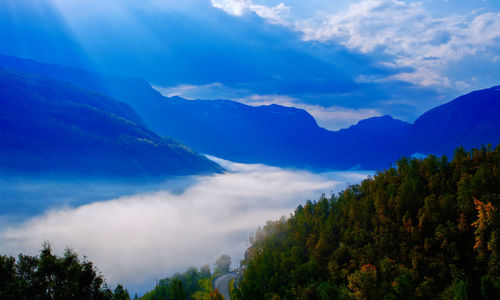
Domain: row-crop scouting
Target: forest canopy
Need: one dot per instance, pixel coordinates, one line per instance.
(424, 229)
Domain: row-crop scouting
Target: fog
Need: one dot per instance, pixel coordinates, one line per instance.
(137, 238)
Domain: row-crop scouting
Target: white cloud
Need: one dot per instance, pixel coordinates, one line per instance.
(410, 35)
(189, 91)
(405, 31)
(331, 118)
(138, 238)
(234, 7)
(274, 14)
(337, 117)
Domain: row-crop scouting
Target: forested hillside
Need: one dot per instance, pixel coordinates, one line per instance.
(426, 229)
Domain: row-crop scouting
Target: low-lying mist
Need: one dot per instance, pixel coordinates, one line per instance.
(137, 238)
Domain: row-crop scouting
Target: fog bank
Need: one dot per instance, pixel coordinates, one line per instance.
(136, 239)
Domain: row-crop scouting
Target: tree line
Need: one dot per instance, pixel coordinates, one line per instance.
(50, 277)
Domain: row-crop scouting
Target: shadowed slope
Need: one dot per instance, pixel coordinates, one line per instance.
(470, 121)
(48, 126)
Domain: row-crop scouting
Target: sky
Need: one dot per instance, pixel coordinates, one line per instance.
(148, 235)
(341, 60)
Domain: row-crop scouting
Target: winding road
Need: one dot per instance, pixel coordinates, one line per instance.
(221, 283)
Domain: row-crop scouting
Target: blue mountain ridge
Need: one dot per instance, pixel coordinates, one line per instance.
(287, 136)
(470, 120)
(51, 127)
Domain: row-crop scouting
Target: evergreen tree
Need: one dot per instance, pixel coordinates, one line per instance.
(120, 293)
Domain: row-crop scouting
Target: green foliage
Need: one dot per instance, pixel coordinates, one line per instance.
(231, 286)
(192, 284)
(205, 271)
(51, 277)
(425, 229)
(177, 290)
(121, 293)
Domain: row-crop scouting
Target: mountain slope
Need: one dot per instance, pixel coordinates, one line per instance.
(374, 143)
(48, 126)
(470, 121)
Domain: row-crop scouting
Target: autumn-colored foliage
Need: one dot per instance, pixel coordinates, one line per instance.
(363, 283)
(215, 295)
(483, 225)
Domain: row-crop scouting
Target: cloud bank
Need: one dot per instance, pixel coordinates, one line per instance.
(330, 117)
(424, 38)
(411, 36)
(136, 239)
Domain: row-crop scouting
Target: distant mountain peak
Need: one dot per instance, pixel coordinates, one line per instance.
(379, 123)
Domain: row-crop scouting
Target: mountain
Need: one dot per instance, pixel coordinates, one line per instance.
(274, 134)
(287, 136)
(471, 120)
(271, 134)
(52, 127)
(374, 143)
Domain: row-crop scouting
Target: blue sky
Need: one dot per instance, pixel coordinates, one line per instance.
(341, 60)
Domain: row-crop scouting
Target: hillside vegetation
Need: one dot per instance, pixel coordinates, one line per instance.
(425, 229)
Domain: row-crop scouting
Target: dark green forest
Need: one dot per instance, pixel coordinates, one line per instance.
(423, 229)
(50, 277)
